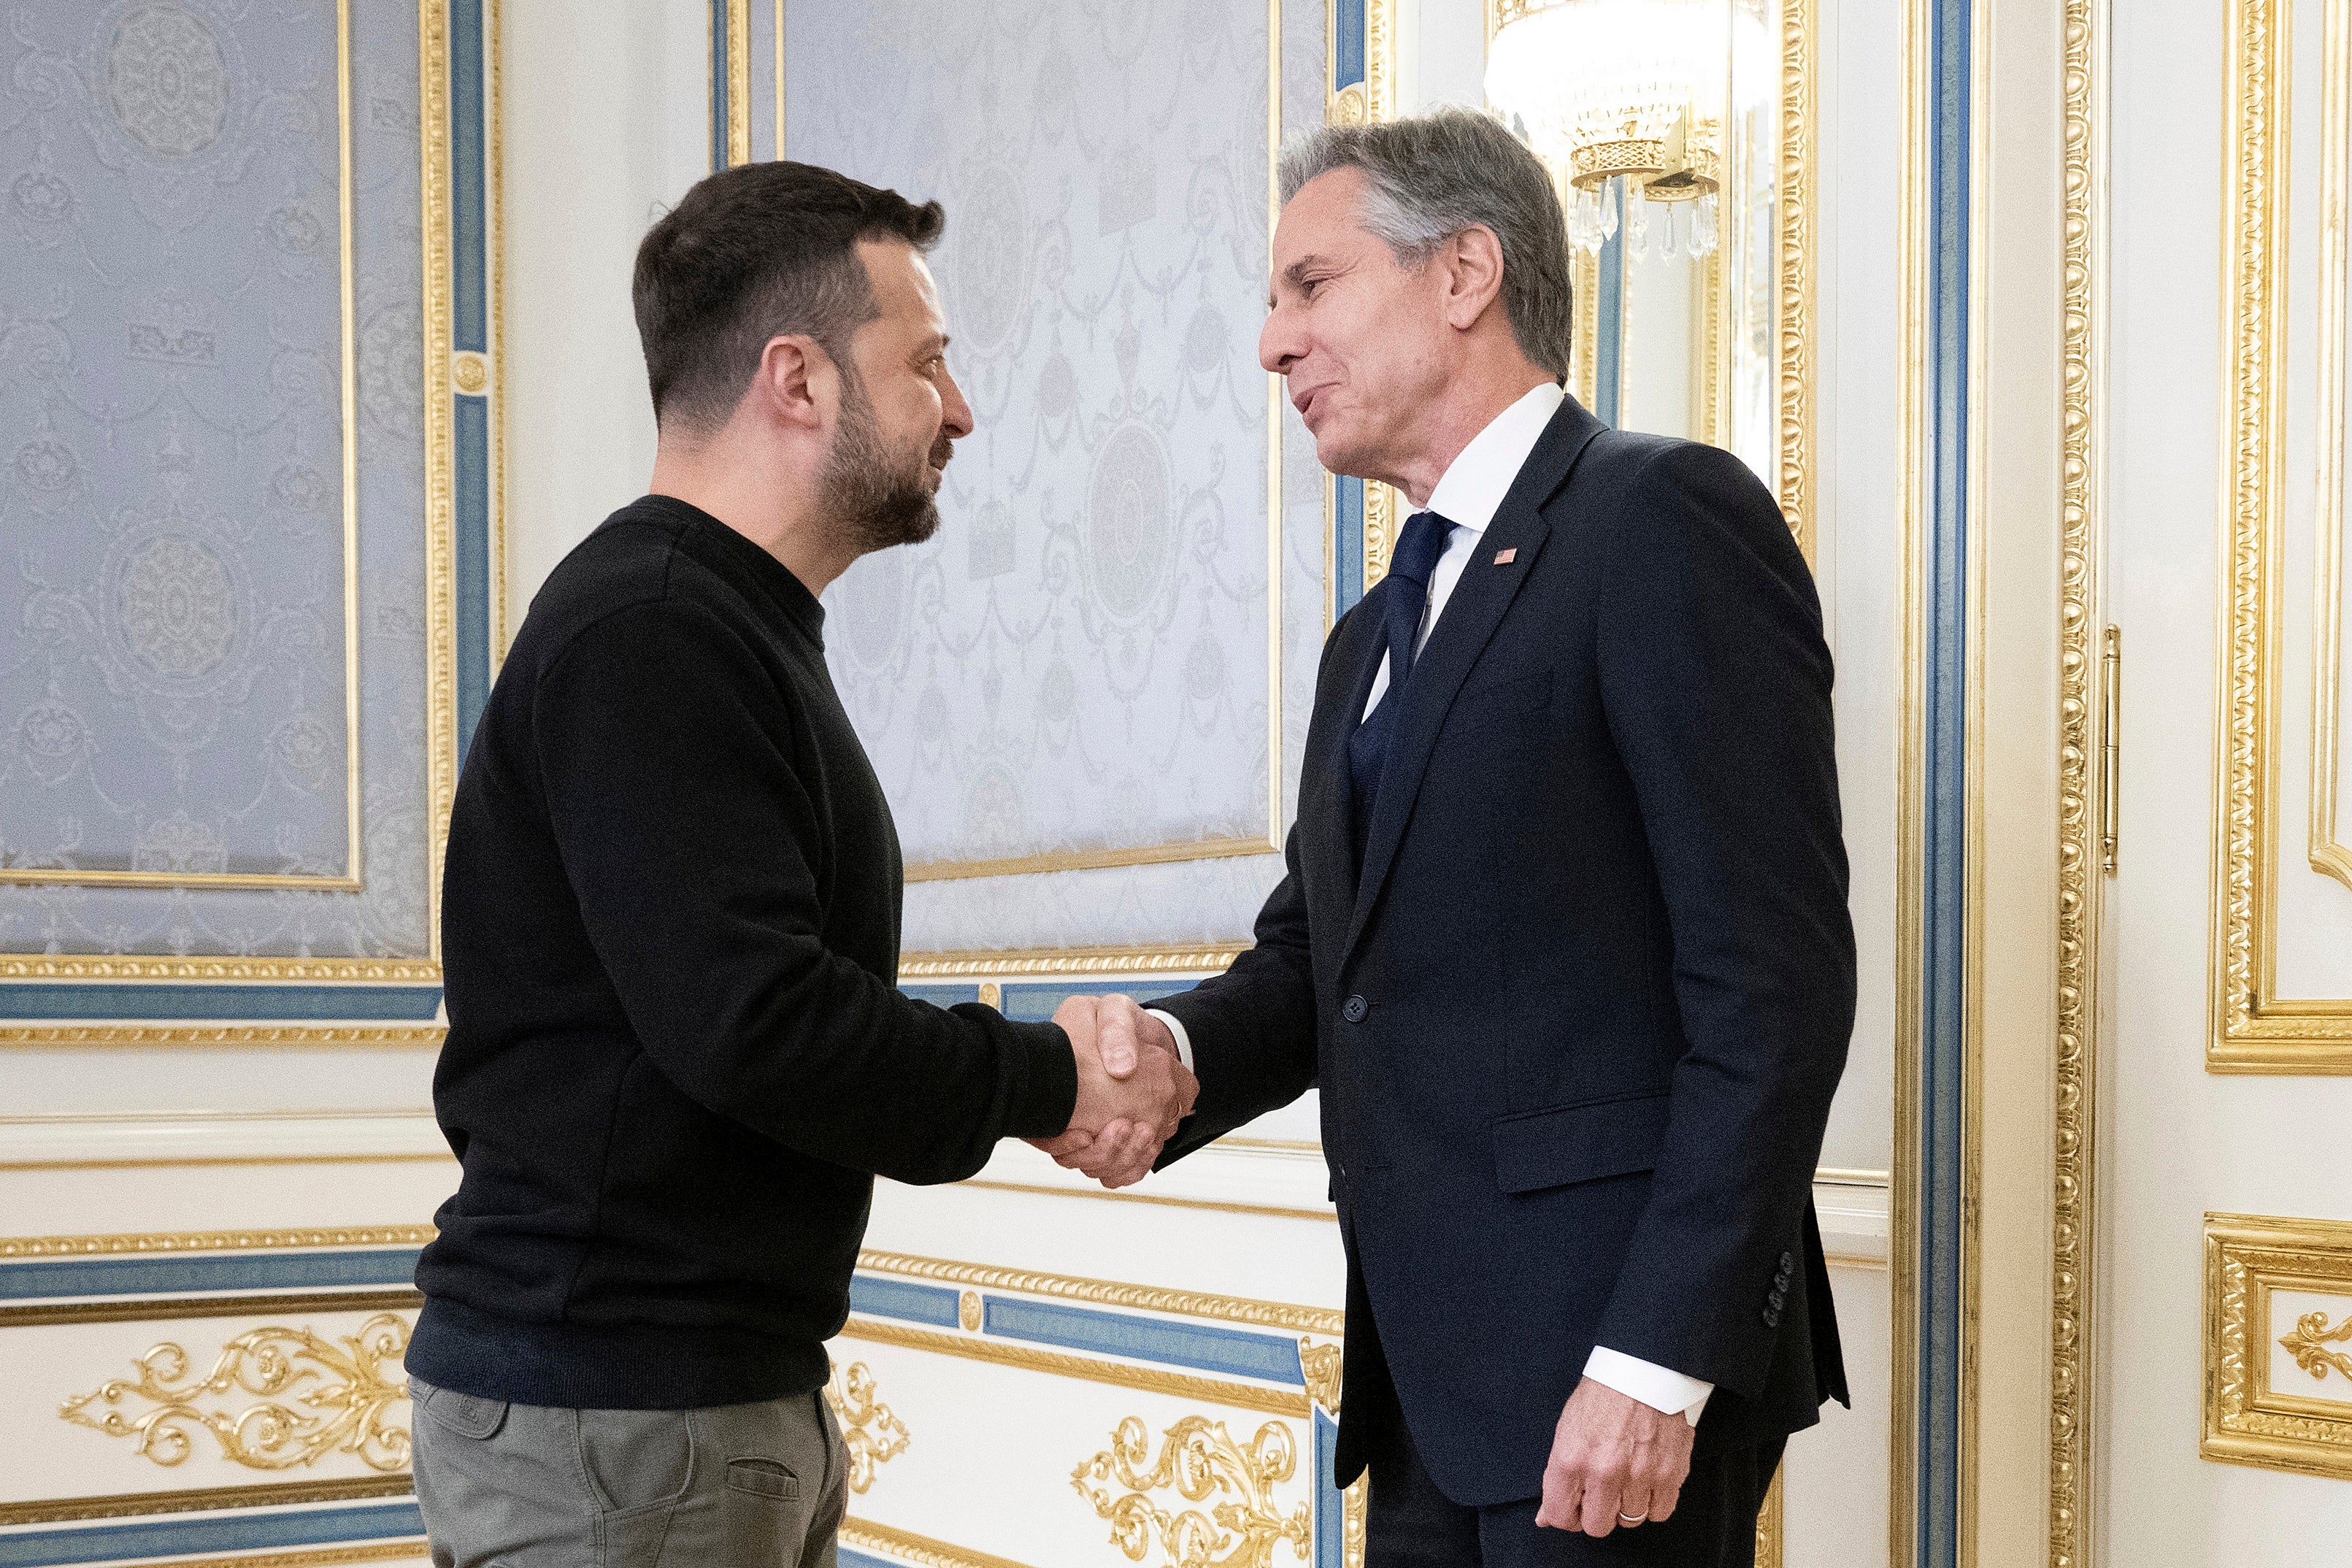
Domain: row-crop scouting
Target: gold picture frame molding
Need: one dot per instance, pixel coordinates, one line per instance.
(2254, 1029)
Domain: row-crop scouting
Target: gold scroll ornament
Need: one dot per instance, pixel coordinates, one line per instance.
(2308, 1344)
(871, 1430)
(317, 1397)
(1198, 1460)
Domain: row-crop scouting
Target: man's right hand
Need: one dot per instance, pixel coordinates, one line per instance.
(1132, 1090)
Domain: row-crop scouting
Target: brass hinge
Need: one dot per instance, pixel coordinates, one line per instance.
(2111, 709)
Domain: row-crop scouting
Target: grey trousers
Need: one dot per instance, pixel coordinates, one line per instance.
(524, 1485)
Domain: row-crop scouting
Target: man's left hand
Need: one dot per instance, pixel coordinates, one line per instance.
(1615, 1461)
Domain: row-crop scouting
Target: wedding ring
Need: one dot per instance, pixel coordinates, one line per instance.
(1633, 1518)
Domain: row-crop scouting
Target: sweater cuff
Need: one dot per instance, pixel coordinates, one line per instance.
(1046, 1086)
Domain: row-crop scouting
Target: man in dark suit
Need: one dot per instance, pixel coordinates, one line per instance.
(1564, 938)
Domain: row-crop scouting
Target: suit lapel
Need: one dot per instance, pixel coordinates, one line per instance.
(1476, 608)
(1328, 856)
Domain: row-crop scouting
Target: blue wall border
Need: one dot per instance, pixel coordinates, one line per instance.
(1941, 1396)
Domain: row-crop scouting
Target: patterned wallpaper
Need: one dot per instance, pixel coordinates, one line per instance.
(174, 675)
(1079, 662)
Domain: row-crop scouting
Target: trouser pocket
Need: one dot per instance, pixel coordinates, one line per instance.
(761, 1517)
(640, 1466)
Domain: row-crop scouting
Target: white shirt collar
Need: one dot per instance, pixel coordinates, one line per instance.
(1475, 482)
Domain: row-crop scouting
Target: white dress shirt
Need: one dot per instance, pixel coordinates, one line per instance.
(1468, 495)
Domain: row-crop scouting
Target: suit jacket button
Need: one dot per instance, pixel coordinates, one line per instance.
(1771, 1317)
(1355, 1010)
(1787, 1262)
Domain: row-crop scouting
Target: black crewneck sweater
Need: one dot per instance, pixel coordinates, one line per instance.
(677, 1057)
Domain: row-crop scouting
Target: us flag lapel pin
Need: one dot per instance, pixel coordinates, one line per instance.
(1505, 557)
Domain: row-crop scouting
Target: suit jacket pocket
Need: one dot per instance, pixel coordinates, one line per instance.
(1498, 700)
(1581, 1142)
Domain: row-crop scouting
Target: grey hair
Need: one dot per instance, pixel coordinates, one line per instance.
(1433, 175)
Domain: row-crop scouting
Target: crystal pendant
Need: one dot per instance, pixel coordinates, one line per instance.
(1612, 195)
(1703, 235)
(1666, 225)
(1637, 226)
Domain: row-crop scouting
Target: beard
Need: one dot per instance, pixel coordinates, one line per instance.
(876, 498)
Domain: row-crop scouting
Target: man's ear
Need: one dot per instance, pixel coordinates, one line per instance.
(1473, 263)
(796, 380)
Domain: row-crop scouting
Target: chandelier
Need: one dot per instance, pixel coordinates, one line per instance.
(1626, 101)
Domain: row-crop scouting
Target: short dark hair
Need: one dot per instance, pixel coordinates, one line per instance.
(748, 254)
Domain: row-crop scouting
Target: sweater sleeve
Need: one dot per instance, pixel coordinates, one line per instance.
(697, 856)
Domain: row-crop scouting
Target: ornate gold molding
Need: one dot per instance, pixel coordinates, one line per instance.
(435, 151)
(423, 1036)
(1208, 958)
(1108, 1293)
(139, 1505)
(1093, 859)
(92, 966)
(2330, 854)
(1795, 213)
(179, 1309)
(1768, 1521)
(2247, 1258)
(921, 1551)
(2072, 1192)
(2255, 1030)
(1062, 1363)
(871, 1430)
(340, 1384)
(407, 1549)
(738, 82)
(1199, 1461)
(17, 1247)
(1324, 1365)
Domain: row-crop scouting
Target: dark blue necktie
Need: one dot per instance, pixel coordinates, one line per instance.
(1404, 596)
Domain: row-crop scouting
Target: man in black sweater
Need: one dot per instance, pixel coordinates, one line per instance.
(676, 1058)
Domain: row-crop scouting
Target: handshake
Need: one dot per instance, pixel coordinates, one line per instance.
(1132, 1090)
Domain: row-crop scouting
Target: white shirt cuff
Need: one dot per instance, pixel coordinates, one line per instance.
(1660, 1388)
(1176, 1027)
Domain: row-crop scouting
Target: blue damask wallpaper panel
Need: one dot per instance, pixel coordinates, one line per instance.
(173, 683)
(1079, 661)
(1104, 172)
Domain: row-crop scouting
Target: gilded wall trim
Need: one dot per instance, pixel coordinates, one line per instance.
(920, 1551)
(176, 1309)
(1770, 1520)
(2247, 1420)
(2254, 1031)
(407, 1548)
(1062, 1363)
(139, 1505)
(428, 1035)
(1109, 1293)
(1795, 211)
(440, 451)
(738, 82)
(2330, 855)
(20, 1248)
(2073, 1190)
(1207, 958)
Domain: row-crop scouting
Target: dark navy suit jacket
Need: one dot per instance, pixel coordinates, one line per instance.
(1577, 1018)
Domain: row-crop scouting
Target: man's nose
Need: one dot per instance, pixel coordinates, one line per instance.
(955, 413)
(1278, 349)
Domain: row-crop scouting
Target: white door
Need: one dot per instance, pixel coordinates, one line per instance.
(2221, 1277)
